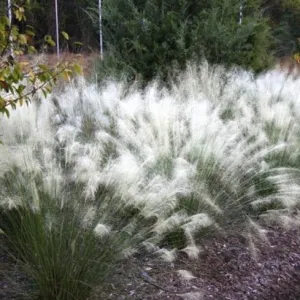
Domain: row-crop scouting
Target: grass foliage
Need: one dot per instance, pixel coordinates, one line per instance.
(95, 174)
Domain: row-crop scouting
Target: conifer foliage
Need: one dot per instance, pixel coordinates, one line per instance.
(148, 38)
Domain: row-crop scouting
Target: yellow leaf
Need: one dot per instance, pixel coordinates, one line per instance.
(31, 75)
(18, 15)
(66, 75)
(48, 88)
(21, 101)
(2, 103)
(2, 75)
(23, 65)
(18, 52)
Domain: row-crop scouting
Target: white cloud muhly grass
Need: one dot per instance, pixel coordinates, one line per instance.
(165, 225)
(196, 222)
(167, 255)
(192, 296)
(198, 148)
(89, 217)
(192, 251)
(102, 230)
(11, 203)
(258, 231)
(185, 275)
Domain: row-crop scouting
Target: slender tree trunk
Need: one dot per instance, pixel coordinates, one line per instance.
(100, 29)
(9, 13)
(56, 29)
(241, 12)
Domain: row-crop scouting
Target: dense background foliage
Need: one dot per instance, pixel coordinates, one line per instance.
(144, 38)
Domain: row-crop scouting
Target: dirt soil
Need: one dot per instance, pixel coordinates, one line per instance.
(228, 269)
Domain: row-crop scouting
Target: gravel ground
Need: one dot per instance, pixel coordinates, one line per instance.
(228, 268)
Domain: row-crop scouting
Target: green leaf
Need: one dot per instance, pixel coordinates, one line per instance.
(78, 69)
(4, 20)
(48, 40)
(22, 39)
(43, 67)
(31, 49)
(29, 32)
(78, 44)
(20, 89)
(5, 111)
(2, 103)
(65, 35)
(13, 105)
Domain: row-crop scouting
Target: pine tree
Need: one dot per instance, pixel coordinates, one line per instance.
(152, 38)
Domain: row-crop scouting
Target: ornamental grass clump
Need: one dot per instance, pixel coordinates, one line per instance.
(99, 173)
(61, 244)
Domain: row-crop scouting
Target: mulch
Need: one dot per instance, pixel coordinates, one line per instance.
(228, 268)
(13, 282)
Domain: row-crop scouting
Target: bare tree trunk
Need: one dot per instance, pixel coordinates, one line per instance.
(56, 29)
(241, 12)
(9, 13)
(100, 29)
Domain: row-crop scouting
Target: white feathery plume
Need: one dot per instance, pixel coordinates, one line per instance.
(102, 230)
(179, 156)
(167, 255)
(185, 275)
